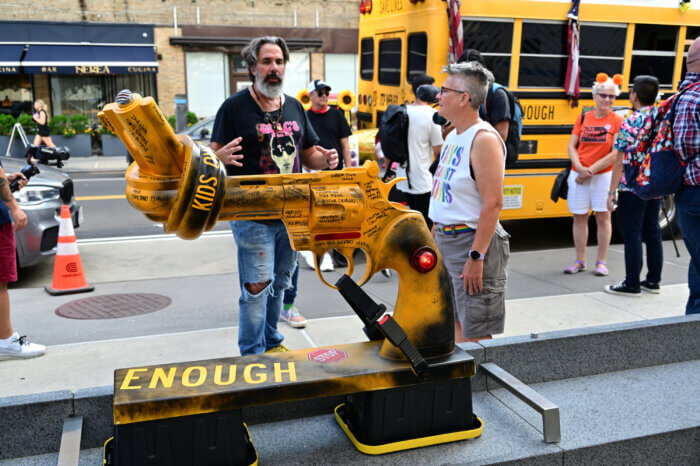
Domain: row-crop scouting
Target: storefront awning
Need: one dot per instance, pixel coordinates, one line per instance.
(9, 58)
(90, 59)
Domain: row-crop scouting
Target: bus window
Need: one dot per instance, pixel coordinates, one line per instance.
(390, 62)
(691, 33)
(602, 50)
(543, 54)
(654, 52)
(494, 40)
(417, 55)
(367, 59)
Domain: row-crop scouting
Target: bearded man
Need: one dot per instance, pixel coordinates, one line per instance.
(247, 128)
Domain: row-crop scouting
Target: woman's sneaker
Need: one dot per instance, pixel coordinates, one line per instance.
(17, 347)
(649, 287)
(293, 317)
(622, 289)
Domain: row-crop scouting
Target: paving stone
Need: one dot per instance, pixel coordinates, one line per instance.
(33, 424)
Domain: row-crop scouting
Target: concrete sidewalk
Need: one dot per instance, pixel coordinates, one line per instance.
(90, 364)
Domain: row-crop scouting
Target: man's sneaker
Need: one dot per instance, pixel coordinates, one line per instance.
(339, 260)
(278, 349)
(650, 287)
(327, 263)
(293, 318)
(308, 258)
(20, 348)
(622, 289)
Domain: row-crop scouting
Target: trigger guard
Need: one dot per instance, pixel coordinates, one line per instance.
(323, 280)
(317, 264)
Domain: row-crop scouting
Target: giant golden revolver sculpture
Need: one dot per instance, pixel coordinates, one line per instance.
(182, 184)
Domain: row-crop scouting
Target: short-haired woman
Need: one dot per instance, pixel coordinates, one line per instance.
(42, 121)
(591, 153)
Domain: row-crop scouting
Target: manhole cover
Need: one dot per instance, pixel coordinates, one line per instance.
(113, 306)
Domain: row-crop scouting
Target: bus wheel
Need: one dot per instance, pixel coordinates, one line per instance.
(667, 217)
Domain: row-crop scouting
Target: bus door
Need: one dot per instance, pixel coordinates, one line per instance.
(391, 53)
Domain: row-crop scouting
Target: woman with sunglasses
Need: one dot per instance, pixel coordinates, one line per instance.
(592, 155)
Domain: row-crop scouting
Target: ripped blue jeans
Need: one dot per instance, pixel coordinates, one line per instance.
(264, 254)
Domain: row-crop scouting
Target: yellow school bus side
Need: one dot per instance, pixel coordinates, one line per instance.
(399, 39)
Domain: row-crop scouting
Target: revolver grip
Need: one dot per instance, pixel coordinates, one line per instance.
(425, 304)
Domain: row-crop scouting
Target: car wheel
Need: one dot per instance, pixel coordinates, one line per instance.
(667, 217)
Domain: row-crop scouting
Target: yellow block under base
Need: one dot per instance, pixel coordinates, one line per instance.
(406, 444)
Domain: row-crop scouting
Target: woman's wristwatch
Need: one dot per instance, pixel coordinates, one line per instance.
(612, 193)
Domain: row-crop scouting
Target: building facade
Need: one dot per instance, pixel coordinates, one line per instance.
(77, 54)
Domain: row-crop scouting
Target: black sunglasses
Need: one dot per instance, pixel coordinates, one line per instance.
(323, 92)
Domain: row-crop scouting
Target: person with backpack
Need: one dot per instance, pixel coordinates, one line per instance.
(424, 140)
(592, 155)
(638, 218)
(686, 136)
(501, 109)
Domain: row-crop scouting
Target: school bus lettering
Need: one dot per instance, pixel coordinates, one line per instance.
(538, 112)
(390, 6)
(186, 376)
(131, 376)
(247, 376)
(160, 376)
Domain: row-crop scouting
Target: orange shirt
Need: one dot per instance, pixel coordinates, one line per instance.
(595, 137)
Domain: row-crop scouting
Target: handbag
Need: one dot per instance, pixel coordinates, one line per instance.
(561, 186)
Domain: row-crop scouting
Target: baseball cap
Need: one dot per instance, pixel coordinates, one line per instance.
(318, 85)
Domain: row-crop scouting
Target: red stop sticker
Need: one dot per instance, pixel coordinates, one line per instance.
(327, 355)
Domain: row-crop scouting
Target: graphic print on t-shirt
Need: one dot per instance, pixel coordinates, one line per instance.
(280, 154)
(594, 134)
(450, 158)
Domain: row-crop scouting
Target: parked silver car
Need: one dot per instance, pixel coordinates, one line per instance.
(41, 200)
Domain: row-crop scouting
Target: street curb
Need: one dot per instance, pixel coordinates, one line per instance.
(107, 172)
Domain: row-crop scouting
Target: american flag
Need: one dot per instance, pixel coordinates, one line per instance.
(456, 32)
(572, 69)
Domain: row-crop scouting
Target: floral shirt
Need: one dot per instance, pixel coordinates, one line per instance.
(627, 137)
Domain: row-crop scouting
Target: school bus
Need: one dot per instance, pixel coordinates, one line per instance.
(525, 45)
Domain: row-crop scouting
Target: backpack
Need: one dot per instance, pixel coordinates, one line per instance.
(515, 129)
(393, 134)
(654, 168)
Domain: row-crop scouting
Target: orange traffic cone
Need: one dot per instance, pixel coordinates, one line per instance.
(68, 276)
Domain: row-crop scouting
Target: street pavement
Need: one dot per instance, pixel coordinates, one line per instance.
(201, 280)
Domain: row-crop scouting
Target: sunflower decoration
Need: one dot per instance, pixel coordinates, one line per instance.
(346, 100)
(305, 99)
(684, 5)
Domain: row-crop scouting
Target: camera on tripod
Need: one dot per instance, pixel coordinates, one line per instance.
(47, 155)
(28, 171)
(428, 93)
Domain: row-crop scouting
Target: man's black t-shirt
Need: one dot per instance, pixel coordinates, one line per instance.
(331, 127)
(497, 105)
(272, 141)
